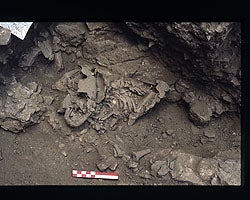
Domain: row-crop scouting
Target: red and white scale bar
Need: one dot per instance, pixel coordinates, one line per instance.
(93, 174)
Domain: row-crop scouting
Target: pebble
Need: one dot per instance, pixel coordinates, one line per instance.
(1, 156)
(61, 145)
(132, 164)
(88, 149)
(72, 138)
(64, 153)
(209, 133)
(170, 132)
(164, 135)
(203, 140)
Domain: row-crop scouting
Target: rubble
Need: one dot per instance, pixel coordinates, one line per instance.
(21, 108)
(204, 171)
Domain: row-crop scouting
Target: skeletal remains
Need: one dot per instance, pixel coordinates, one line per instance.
(102, 97)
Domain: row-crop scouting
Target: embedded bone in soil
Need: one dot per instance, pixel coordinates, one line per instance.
(139, 154)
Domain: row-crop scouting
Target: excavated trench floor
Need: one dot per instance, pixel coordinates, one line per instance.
(47, 152)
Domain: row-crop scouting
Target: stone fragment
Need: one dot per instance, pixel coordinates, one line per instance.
(73, 33)
(180, 86)
(48, 100)
(200, 113)
(209, 133)
(132, 164)
(64, 153)
(46, 48)
(164, 169)
(32, 86)
(102, 166)
(58, 61)
(170, 132)
(28, 58)
(156, 166)
(61, 145)
(173, 96)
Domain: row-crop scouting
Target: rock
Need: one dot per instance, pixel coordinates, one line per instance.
(32, 86)
(209, 133)
(28, 58)
(126, 158)
(92, 26)
(145, 174)
(162, 87)
(5, 36)
(22, 109)
(184, 168)
(164, 135)
(195, 130)
(53, 120)
(61, 145)
(48, 100)
(64, 153)
(139, 154)
(180, 86)
(212, 52)
(173, 96)
(67, 81)
(156, 166)
(132, 164)
(203, 140)
(46, 48)
(110, 163)
(58, 61)
(73, 33)
(164, 169)
(102, 166)
(200, 113)
(188, 97)
(170, 132)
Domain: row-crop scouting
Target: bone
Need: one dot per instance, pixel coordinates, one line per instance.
(139, 154)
